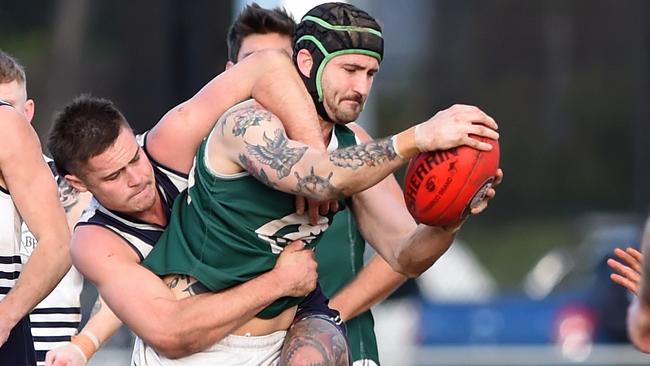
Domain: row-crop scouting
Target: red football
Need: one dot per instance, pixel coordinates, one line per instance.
(440, 187)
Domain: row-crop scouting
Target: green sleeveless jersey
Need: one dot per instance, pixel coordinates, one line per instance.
(228, 229)
(340, 257)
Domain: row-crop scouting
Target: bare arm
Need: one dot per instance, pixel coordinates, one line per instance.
(268, 76)
(101, 325)
(34, 193)
(251, 138)
(377, 279)
(173, 327)
(373, 284)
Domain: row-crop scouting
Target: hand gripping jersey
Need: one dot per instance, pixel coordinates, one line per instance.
(226, 230)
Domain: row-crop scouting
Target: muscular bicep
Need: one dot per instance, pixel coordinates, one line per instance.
(136, 295)
(254, 140)
(380, 210)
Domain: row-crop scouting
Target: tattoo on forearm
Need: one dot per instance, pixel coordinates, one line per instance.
(188, 284)
(259, 175)
(315, 184)
(248, 117)
(370, 154)
(277, 154)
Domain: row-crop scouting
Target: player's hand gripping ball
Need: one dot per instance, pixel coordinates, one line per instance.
(441, 187)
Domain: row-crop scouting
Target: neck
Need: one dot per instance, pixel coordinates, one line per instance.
(326, 128)
(154, 215)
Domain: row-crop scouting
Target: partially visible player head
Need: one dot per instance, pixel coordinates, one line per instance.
(256, 29)
(13, 85)
(337, 49)
(94, 147)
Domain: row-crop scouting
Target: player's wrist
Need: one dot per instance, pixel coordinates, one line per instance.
(404, 143)
(86, 343)
(10, 311)
(273, 281)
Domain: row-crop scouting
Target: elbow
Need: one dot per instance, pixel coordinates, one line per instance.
(410, 269)
(170, 343)
(412, 265)
(412, 261)
(166, 333)
(319, 184)
(165, 343)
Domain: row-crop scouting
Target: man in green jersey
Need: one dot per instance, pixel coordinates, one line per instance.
(353, 288)
(238, 212)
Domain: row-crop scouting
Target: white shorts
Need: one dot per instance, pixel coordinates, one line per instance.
(232, 350)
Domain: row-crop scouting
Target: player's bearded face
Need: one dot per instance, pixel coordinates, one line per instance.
(346, 83)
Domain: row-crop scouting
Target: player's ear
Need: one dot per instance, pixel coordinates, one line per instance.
(29, 110)
(305, 62)
(229, 64)
(76, 183)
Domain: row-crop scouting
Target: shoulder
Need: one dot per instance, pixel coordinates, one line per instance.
(13, 124)
(245, 109)
(95, 239)
(94, 246)
(246, 116)
(18, 140)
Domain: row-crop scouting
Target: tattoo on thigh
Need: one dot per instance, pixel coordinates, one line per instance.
(277, 154)
(314, 342)
(370, 154)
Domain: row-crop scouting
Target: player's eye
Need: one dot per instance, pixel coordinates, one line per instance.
(112, 176)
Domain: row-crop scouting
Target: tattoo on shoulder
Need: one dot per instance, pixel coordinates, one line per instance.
(248, 117)
(259, 175)
(370, 154)
(277, 154)
(188, 284)
(316, 184)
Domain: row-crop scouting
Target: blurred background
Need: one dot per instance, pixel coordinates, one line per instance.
(567, 81)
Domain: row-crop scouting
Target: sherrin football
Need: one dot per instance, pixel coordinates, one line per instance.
(441, 187)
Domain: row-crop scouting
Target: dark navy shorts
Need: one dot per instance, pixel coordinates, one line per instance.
(19, 348)
(316, 305)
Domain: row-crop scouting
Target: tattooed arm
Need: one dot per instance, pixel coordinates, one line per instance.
(268, 76)
(250, 138)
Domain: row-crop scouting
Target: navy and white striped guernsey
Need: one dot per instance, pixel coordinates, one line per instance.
(139, 235)
(56, 318)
